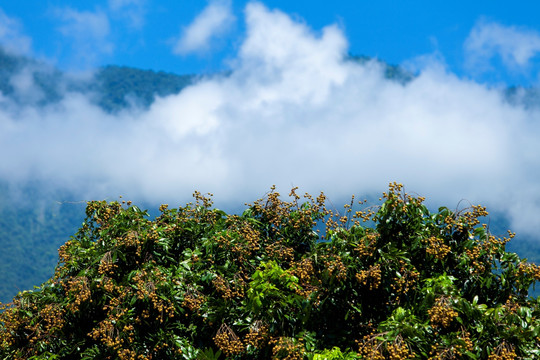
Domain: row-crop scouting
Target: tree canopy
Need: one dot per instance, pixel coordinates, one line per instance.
(286, 279)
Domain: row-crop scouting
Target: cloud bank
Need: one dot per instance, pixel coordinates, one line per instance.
(292, 112)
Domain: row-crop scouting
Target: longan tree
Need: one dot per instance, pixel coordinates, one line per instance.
(286, 279)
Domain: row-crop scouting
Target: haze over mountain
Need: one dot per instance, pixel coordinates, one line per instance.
(291, 104)
(36, 219)
(34, 222)
(291, 108)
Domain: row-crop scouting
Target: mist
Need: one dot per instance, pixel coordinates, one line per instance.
(294, 110)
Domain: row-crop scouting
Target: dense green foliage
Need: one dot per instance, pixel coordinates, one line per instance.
(32, 231)
(283, 280)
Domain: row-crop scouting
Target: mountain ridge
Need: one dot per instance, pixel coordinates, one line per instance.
(31, 232)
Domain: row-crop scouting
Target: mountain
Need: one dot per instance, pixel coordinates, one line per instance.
(31, 231)
(33, 224)
(115, 85)
(391, 72)
(111, 87)
(528, 97)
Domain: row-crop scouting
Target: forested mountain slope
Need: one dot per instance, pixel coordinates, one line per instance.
(30, 234)
(34, 224)
(110, 87)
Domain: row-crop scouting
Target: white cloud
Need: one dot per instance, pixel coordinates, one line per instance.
(88, 32)
(292, 112)
(12, 38)
(514, 45)
(212, 22)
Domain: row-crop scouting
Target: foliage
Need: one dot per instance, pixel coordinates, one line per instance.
(283, 280)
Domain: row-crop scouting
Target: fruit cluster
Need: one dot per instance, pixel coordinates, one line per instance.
(287, 348)
(398, 350)
(442, 314)
(193, 300)
(373, 346)
(258, 335)
(367, 245)
(503, 352)
(226, 290)
(437, 248)
(106, 264)
(227, 341)
(371, 276)
(79, 290)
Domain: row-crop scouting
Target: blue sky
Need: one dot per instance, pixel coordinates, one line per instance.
(143, 34)
(291, 110)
